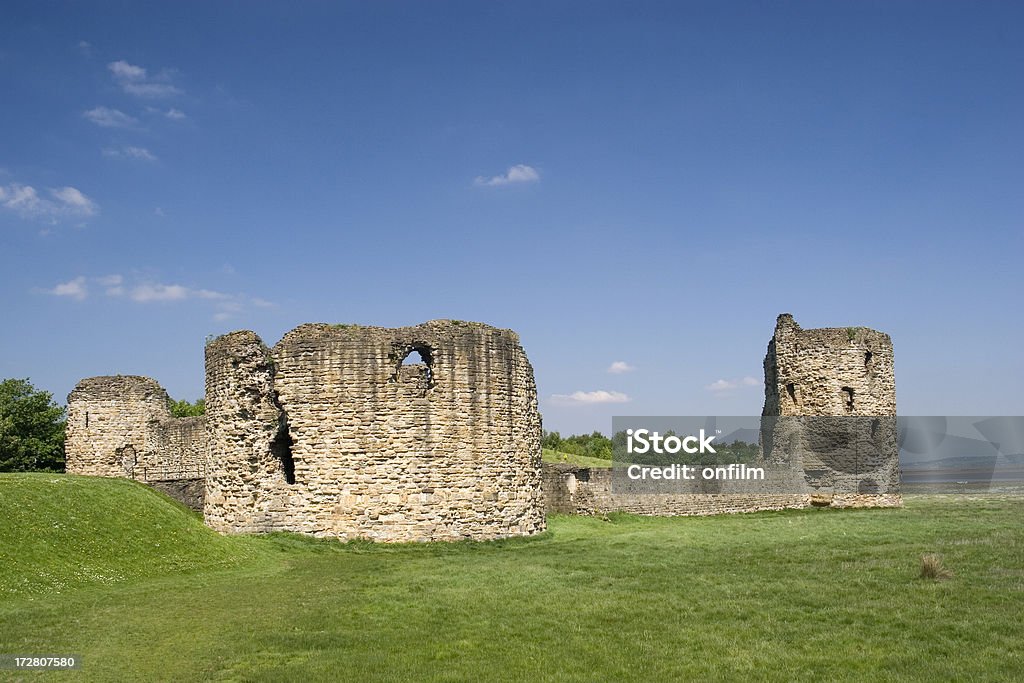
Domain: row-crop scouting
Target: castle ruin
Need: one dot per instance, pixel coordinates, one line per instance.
(827, 435)
(333, 432)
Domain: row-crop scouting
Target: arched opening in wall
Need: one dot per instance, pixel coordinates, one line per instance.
(414, 358)
(791, 390)
(848, 398)
(129, 459)
(416, 363)
(281, 448)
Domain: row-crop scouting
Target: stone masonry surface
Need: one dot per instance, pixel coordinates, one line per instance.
(121, 426)
(329, 433)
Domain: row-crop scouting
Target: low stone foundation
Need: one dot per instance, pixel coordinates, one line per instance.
(189, 492)
(574, 490)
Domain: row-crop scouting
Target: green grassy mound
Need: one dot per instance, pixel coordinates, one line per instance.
(581, 460)
(61, 531)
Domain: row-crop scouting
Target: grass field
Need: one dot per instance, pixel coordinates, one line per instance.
(142, 591)
(581, 460)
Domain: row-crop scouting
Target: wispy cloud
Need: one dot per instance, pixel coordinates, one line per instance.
(175, 114)
(129, 152)
(75, 289)
(113, 284)
(520, 173)
(619, 367)
(724, 386)
(590, 397)
(61, 202)
(116, 286)
(109, 118)
(135, 80)
(150, 291)
(85, 47)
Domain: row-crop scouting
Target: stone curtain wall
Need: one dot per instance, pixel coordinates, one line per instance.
(569, 489)
(121, 426)
(179, 452)
(331, 434)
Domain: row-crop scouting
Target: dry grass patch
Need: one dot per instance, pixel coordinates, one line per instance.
(932, 568)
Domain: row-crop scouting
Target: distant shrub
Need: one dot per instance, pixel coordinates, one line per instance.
(932, 568)
(186, 409)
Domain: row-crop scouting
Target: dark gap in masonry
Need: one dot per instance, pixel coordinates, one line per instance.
(849, 398)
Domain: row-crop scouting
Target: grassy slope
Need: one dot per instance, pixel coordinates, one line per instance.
(582, 460)
(61, 531)
(819, 595)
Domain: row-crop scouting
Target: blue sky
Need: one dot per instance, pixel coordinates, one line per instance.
(648, 184)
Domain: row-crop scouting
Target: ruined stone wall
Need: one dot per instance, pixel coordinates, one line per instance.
(833, 392)
(188, 492)
(331, 434)
(121, 426)
(841, 381)
(570, 489)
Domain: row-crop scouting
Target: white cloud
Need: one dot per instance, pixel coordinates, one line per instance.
(122, 70)
(135, 80)
(112, 283)
(130, 152)
(520, 173)
(619, 367)
(590, 397)
(109, 118)
(175, 114)
(63, 202)
(210, 294)
(74, 201)
(110, 280)
(76, 289)
(116, 286)
(85, 47)
(724, 385)
(158, 292)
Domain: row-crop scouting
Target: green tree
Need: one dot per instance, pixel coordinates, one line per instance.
(185, 409)
(31, 429)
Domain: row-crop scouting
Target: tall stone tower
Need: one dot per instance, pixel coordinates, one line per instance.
(121, 426)
(830, 410)
(831, 371)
